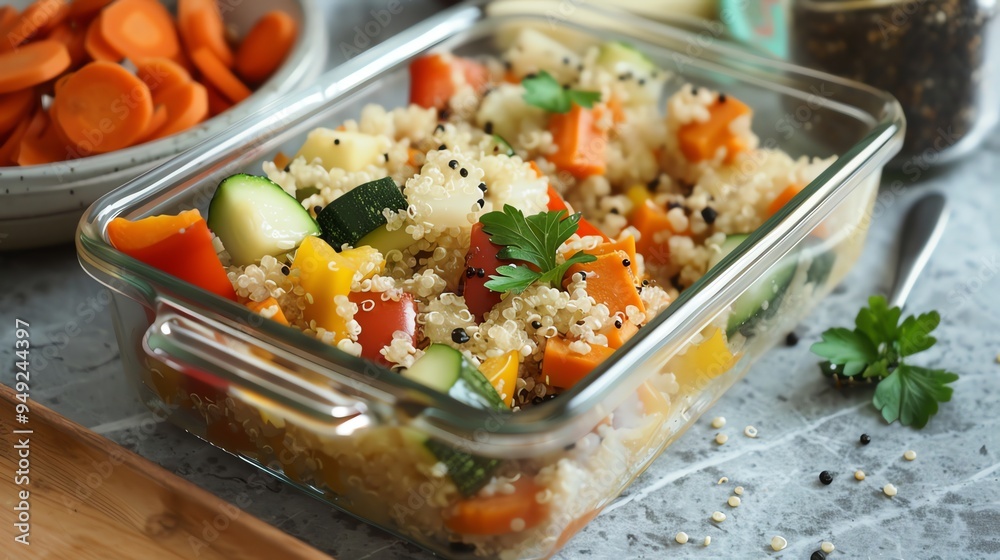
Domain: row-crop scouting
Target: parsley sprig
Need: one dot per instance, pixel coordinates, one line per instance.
(544, 92)
(875, 349)
(534, 240)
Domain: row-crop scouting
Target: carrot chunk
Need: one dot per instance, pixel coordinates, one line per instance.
(13, 107)
(268, 308)
(652, 222)
(32, 64)
(266, 46)
(42, 146)
(783, 198)
(610, 281)
(565, 368)
(186, 104)
(215, 73)
(496, 514)
(87, 105)
(140, 29)
(161, 73)
(702, 140)
(580, 144)
(156, 122)
(96, 46)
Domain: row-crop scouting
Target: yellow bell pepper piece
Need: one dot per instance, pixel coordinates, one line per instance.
(638, 194)
(703, 361)
(502, 373)
(324, 275)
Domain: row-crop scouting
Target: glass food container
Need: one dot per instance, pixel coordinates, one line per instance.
(358, 436)
(940, 58)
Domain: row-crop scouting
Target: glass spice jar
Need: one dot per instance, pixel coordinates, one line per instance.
(939, 58)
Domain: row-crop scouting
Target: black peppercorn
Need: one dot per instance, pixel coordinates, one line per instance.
(453, 164)
(536, 324)
(336, 141)
(791, 339)
(709, 214)
(825, 477)
(626, 262)
(459, 336)
(818, 555)
(463, 172)
(865, 439)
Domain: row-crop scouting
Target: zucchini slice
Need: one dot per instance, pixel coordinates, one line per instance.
(359, 212)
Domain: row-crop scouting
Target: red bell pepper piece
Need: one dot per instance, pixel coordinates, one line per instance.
(482, 256)
(178, 245)
(434, 78)
(380, 318)
(584, 228)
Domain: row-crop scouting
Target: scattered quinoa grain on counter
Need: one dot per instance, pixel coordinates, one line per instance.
(681, 538)
(718, 422)
(721, 438)
(718, 517)
(859, 475)
(910, 455)
(889, 490)
(827, 547)
(723, 480)
(738, 490)
(778, 543)
(734, 501)
(750, 432)
(708, 541)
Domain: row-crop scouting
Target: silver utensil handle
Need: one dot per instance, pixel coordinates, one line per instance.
(921, 231)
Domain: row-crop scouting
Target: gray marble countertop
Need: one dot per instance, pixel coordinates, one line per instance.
(948, 504)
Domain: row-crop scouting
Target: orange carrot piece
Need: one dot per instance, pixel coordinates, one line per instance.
(702, 140)
(217, 103)
(140, 29)
(186, 104)
(156, 122)
(783, 198)
(13, 107)
(215, 73)
(75, 40)
(495, 514)
(265, 47)
(7, 15)
(411, 157)
(626, 246)
(610, 281)
(83, 9)
(127, 235)
(32, 64)
(36, 20)
(9, 148)
(580, 145)
(270, 304)
(565, 368)
(281, 160)
(42, 146)
(88, 101)
(617, 336)
(201, 25)
(539, 174)
(161, 74)
(96, 46)
(651, 220)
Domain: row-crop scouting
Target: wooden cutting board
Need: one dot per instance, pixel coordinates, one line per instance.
(91, 499)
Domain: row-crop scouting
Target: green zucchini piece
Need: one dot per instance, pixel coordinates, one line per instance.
(359, 212)
(502, 146)
(447, 370)
(468, 472)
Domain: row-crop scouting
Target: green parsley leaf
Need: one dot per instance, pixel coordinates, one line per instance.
(544, 92)
(914, 333)
(876, 348)
(535, 240)
(851, 349)
(911, 394)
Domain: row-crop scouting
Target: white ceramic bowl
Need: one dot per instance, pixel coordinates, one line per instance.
(41, 204)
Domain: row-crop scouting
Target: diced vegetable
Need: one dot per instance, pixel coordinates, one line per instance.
(637, 195)
(178, 245)
(617, 336)
(324, 275)
(610, 281)
(341, 149)
(268, 308)
(556, 201)
(506, 112)
(783, 198)
(702, 140)
(498, 514)
(703, 360)
(266, 46)
(482, 255)
(564, 368)
(254, 217)
(380, 319)
(655, 230)
(468, 472)
(644, 79)
(384, 240)
(358, 212)
(626, 245)
(434, 78)
(501, 371)
(584, 228)
(764, 296)
(445, 369)
(580, 144)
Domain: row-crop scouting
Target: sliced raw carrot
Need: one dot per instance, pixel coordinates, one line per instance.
(783, 198)
(96, 46)
(75, 40)
(42, 146)
(161, 74)
(7, 16)
(92, 98)
(201, 25)
(37, 19)
(32, 64)
(60, 82)
(13, 107)
(564, 367)
(498, 514)
(83, 9)
(610, 281)
(215, 73)
(9, 148)
(281, 160)
(217, 103)
(266, 45)
(156, 122)
(580, 145)
(702, 140)
(140, 29)
(268, 308)
(186, 104)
